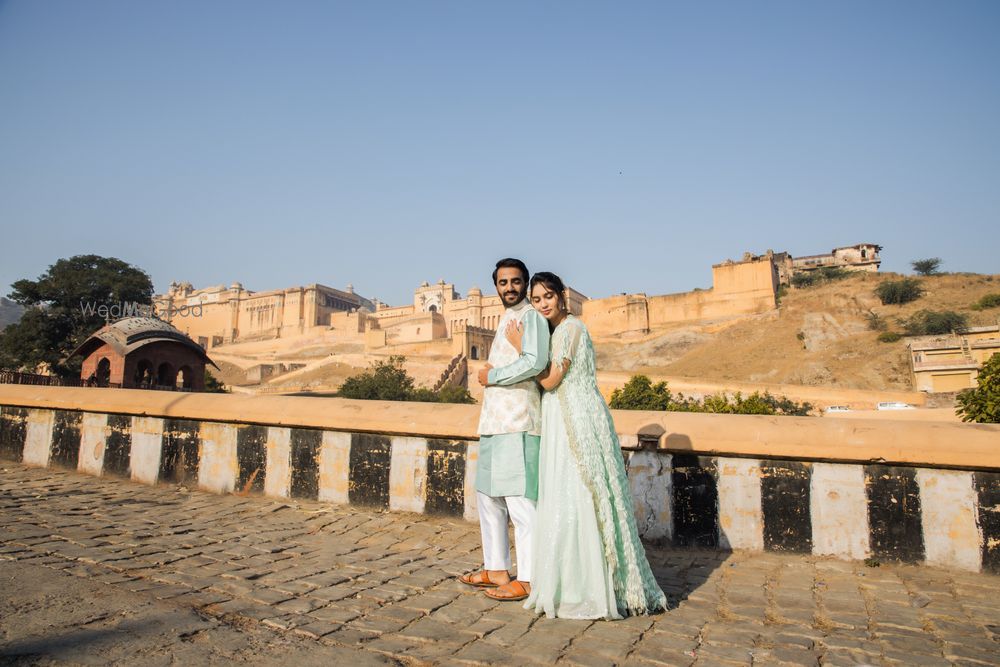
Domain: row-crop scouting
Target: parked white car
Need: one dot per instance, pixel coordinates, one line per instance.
(894, 405)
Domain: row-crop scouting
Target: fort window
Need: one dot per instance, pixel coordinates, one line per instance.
(185, 377)
(165, 376)
(474, 353)
(143, 373)
(103, 371)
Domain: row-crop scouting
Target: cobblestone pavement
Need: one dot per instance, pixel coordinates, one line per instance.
(262, 580)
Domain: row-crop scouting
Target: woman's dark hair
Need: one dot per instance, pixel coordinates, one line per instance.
(551, 282)
(511, 263)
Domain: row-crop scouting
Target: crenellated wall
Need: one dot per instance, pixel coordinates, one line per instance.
(908, 491)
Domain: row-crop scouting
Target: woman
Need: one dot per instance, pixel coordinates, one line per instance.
(588, 560)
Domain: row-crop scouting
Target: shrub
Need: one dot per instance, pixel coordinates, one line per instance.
(875, 321)
(982, 404)
(389, 381)
(888, 337)
(805, 279)
(899, 292)
(639, 393)
(987, 301)
(926, 267)
(819, 276)
(934, 323)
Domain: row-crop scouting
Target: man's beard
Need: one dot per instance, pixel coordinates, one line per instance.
(515, 297)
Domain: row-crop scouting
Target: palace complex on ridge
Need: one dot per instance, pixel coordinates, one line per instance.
(215, 316)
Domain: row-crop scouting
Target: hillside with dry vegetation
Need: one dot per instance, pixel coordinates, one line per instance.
(819, 335)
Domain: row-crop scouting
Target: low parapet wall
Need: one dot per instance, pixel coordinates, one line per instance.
(915, 492)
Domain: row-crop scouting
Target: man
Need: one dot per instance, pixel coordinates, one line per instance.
(509, 434)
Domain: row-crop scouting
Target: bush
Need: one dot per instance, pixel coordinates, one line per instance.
(926, 267)
(213, 385)
(982, 404)
(888, 337)
(389, 381)
(899, 292)
(639, 393)
(819, 276)
(875, 321)
(934, 323)
(987, 301)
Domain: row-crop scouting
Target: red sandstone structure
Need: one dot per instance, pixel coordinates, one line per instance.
(143, 353)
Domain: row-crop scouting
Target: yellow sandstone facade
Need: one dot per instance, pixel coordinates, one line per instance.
(952, 362)
(738, 289)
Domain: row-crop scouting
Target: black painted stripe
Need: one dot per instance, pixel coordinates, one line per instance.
(13, 431)
(251, 455)
(371, 456)
(118, 446)
(988, 495)
(894, 513)
(305, 446)
(695, 500)
(784, 504)
(64, 448)
(445, 477)
(180, 451)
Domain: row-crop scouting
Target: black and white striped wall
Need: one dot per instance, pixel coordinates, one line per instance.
(392, 472)
(939, 516)
(949, 518)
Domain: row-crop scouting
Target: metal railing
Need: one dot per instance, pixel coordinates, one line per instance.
(37, 379)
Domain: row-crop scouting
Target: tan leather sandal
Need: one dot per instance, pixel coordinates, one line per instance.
(516, 587)
(480, 579)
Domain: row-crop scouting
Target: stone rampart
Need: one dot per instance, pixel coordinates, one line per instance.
(908, 491)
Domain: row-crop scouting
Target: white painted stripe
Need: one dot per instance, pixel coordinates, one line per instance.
(147, 441)
(741, 523)
(335, 467)
(652, 493)
(217, 469)
(93, 442)
(952, 537)
(839, 510)
(279, 462)
(38, 437)
(408, 474)
(471, 512)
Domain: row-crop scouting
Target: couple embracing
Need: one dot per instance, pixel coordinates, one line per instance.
(549, 460)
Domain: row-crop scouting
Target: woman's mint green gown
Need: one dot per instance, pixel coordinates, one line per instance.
(588, 559)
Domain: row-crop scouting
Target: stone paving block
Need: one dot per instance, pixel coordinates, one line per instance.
(400, 599)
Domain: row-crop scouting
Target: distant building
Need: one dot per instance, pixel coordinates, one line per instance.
(143, 353)
(219, 315)
(952, 362)
(860, 257)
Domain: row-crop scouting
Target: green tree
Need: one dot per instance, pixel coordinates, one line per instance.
(214, 385)
(982, 404)
(389, 381)
(383, 381)
(61, 310)
(639, 393)
(899, 292)
(456, 394)
(926, 267)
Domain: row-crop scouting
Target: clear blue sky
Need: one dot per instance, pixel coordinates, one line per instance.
(625, 146)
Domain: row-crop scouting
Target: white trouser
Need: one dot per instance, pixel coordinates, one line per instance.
(493, 513)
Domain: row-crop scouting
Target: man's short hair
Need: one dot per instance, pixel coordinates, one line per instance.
(511, 263)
